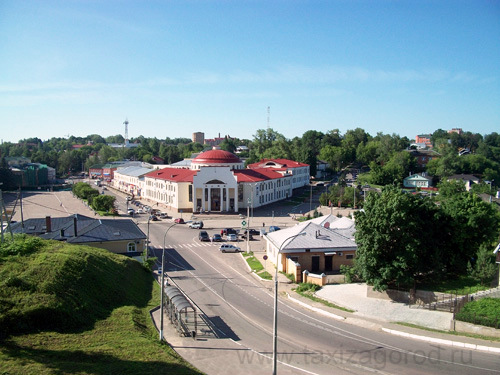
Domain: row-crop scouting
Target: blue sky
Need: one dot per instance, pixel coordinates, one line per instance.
(176, 67)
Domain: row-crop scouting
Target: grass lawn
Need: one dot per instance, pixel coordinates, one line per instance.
(80, 310)
(461, 285)
(256, 266)
(124, 343)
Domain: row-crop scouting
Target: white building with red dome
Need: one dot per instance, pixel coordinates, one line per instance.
(217, 181)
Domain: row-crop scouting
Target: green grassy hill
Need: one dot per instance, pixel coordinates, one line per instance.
(77, 309)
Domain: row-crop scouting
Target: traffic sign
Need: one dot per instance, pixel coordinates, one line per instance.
(243, 223)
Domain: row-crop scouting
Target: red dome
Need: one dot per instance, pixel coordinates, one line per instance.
(216, 156)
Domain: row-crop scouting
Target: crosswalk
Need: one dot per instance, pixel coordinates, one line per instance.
(191, 245)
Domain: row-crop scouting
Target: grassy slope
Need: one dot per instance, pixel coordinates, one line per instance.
(75, 309)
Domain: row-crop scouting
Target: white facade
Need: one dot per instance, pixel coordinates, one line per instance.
(216, 181)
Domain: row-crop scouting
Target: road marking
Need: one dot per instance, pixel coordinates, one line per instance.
(320, 324)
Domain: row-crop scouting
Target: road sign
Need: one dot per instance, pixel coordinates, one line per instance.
(243, 223)
(264, 257)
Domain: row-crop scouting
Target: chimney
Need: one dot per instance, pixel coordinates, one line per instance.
(74, 226)
(48, 224)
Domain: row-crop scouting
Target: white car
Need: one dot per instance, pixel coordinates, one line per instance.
(232, 237)
(228, 248)
(195, 225)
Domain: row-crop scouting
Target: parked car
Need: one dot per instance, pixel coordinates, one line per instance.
(226, 231)
(164, 215)
(274, 228)
(179, 220)
(153, 218)
(139, 211)
(196, 225)
(216, 238)
(232, 237)
(228, 248)
(131, 211)
(203, 236)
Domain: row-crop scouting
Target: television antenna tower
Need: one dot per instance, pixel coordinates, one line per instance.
(268, 116)
(126, 129)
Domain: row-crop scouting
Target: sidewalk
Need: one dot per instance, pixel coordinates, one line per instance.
(378, 314)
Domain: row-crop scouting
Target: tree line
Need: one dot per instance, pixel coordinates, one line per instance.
(383, 154)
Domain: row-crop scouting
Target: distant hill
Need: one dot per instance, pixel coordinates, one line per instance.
(49, 285)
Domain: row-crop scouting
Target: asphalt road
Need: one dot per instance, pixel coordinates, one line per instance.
(241, 307)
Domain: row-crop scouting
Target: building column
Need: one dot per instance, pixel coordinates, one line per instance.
(203, 208)
(227, 199)
(221, 199)
(209, 199)
(236, 199)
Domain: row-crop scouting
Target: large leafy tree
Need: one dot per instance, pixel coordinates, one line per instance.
(394, 234)
(471, 222)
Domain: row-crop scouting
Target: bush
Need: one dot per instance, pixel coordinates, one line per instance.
(307, 288)
(485, 312)
(20, 245)
(350, 273)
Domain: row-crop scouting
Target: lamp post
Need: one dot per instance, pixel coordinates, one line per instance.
(163, 280)
(275, 321)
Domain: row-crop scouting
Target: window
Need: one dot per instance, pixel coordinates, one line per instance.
(349, 256)
(131, 246)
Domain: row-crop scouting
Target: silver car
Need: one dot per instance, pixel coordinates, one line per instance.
(228, 248)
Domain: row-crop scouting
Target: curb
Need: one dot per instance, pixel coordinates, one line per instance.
(315, 309)
(458, 344)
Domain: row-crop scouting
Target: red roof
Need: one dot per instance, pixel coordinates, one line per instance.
(281, 163)
(216, 157)
(173, 174)
(254, 175)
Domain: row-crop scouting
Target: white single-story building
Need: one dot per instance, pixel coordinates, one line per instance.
(417, 180)
(320, 245)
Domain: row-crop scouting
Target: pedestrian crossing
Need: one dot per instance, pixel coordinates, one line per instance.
(191, 245)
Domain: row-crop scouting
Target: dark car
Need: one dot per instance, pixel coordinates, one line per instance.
(203, 236)
(253, 232)
(227, 231)
(153, 218)
(274, 228)
(216, 238)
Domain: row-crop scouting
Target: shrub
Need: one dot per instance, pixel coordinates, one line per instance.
(485, 311)
(307, 287)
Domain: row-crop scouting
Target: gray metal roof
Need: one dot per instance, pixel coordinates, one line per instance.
(133, 171)
(316, 237)
(87, 229)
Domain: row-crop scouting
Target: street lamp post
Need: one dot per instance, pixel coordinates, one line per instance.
(275, 321)
(163, 280)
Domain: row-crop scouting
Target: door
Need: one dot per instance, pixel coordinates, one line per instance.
(315, 264)
(328, 263)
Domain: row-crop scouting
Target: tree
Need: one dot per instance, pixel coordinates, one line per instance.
(448, 189)
(394, 234)
(470, 223)
(103, 203)
(483, 267)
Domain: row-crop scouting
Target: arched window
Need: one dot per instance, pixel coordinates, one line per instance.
(131, 246)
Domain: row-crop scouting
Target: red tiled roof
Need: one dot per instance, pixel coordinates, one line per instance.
(173, 174)
(283, 163)
(216, 157)
(254, 175)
